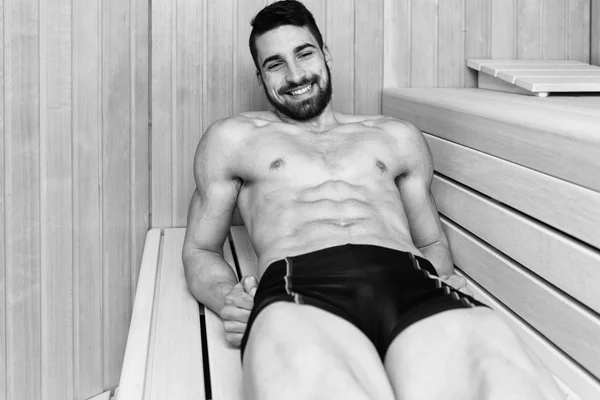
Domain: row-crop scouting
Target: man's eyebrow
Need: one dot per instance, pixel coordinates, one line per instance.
(296, 50)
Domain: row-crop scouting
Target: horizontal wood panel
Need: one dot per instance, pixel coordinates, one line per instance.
(557, 139)
(174, 361)
(567, 372)
(557, 258)
(564, 322)
(567, 207)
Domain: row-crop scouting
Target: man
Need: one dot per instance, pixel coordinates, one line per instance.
(353, 300)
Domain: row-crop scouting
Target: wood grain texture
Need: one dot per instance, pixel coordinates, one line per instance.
(56, 209)
(544, 251)
(3, 265)
(451, 43)
(529, 29)
(504, 29)
(595, 32)
(340, 41)
(397, 39)
(368, 57)
(424, 15)
(478, 33)
(188, 104)
(540, 304)
(554, 29)
(22, 196)
(87, 192)
(175, 367)
(116, 175)
(163, 26)
(578, 40)
(140, 134)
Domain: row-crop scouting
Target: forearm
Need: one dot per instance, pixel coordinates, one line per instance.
(438, 254)
(209, 277)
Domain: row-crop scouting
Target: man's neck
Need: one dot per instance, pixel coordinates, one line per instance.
(323, 122)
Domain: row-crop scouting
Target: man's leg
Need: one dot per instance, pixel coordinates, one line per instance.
(466, 354)
(302, 352)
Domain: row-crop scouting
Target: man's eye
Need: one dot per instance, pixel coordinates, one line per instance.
(274, 66)
(304, 55)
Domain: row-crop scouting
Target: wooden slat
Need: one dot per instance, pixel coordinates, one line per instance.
(224, 360)
(578, 40)
(571, 327)
(477, 64)
(424, 30)
(133, 374)
(368, 57)
(554, 30)
(517, 128)
(494, 70)
(162, 110)
(247, 259)
(545, 252)
(187, 104)
(512, 75)
(477, 35)
(562, 367)
(56, 203)
(22, 196)
(3, 359)
(529, 24)
(87, 207)
(340, 40)
(116, 175)
(397, 29)
(451, 44)
(175, 369)
(560, 84)
(565, 206)
(247, 95)
(595, 33)
(504, 29)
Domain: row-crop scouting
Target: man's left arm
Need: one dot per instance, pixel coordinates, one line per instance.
(419, 205)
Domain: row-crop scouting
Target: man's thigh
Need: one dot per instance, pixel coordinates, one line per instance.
(301, 351)
(465, 354)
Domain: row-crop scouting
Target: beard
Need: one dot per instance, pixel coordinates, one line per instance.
(305, 109)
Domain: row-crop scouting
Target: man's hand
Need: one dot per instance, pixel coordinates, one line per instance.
(238, 304)
(457, 282)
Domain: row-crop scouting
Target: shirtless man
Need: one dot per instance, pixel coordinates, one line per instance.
(353, 264)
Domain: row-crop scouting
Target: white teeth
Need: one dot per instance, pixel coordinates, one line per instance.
(301, 91)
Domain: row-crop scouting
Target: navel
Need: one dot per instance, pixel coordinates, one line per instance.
(381, 166)
(277, 163)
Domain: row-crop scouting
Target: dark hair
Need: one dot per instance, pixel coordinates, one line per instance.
(284, 12)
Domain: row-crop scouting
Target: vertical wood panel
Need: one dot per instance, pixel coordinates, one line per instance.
(117, 185)
(22, 162)
(451, 43)
(162, 112)
(368, 58)
(397, 39)
(2, 218)
(554, 35)
(87, 207)
(504, 29)
(188, 129)
(140, 190)
(340, 41)
(478, 34)
(218, 74)
(579, 30)
(595, 26)
(529, 29)
(424, 14)
(247, 95)
(56, 201)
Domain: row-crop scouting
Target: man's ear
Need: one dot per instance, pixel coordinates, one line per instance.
(261, 84)
(328, 58)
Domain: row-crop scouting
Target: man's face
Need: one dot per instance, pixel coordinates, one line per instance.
(294, 72)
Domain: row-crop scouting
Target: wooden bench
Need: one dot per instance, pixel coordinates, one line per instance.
(507, 206)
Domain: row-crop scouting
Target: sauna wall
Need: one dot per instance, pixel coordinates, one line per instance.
(595, 36)
(74, 192)
(202, 69)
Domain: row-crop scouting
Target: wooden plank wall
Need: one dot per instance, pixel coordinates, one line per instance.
(203, 71)
(74, 195)
(595, 36)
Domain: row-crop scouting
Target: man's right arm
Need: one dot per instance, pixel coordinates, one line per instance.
(209, 276)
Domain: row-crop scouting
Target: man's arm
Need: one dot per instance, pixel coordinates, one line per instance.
(419, 205)
(208, 275)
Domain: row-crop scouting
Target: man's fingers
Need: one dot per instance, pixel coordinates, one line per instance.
(234, 326)
(250, 284)
(233, 313)
(234, 338)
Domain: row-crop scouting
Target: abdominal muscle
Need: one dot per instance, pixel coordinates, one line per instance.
(286, 223)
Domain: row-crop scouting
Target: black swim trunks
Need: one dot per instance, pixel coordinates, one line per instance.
(380, 290)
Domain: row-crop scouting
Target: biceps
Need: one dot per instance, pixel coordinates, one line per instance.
(421, 212)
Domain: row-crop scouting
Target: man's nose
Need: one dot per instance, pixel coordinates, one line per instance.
(295, 73)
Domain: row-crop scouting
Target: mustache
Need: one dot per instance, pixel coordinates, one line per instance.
(303, 82)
